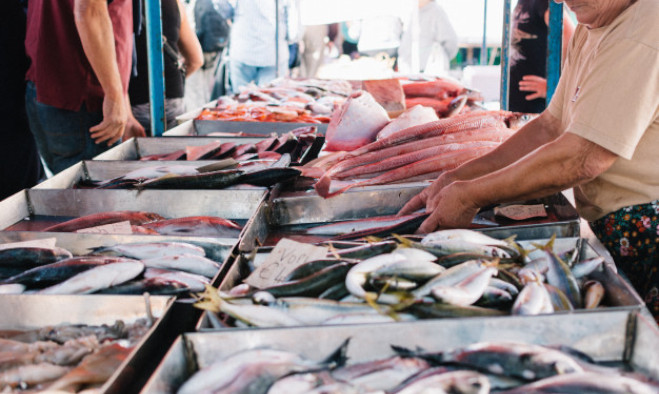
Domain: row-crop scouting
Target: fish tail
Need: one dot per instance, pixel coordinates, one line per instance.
(339, 357)
(323, 186)
(403, 241)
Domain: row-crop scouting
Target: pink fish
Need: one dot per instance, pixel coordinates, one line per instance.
(356, 123)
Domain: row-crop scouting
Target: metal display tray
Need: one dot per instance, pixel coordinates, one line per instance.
(229, 204)
(618, 336)
(307, 209)
(21, 312)
(219, 250)
(619, 293)
(205, 127)
(135, 148)
(104, 170)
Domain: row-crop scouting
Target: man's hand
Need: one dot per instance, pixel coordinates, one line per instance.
(133, 128)
(115, 116)
(451, 208)
(535, 84)
(427, 196)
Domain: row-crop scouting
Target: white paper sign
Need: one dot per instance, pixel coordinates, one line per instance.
(48, 243)
(112, 228)
(521, 212)
(284, 258)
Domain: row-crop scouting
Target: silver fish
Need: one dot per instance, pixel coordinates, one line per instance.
(467, 291)
(383, 374)
(560, 276)
(150, 250)
(186, 262)
(194, 282)
(532, 300)
(463, 382)
(586, 382)
(586, 267)
(97, 278)
(450, 277)
(357, 277)
(463, 235)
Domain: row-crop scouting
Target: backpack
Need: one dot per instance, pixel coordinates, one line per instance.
(212, 26)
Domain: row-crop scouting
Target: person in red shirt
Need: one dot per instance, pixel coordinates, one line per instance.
(81, 53)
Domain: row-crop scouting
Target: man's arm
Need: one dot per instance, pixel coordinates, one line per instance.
(189, 45)
(539, 131)
(561, 164)
(96, 34)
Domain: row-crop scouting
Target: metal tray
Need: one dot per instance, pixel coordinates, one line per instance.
(104, 170)
(205, 127)
(618, 336)
(620, 296)
(230, 204)
(296, 211)
(30, 312)
(135, 148)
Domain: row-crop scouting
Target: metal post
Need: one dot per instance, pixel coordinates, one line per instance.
(484, 45)
(554, 47)
(277, 37)
(505, 55)
(155, 66)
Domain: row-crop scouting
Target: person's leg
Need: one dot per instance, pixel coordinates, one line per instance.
(142, 112)
(314, 50)
(240, 74)
(265, 75)
(631, 235)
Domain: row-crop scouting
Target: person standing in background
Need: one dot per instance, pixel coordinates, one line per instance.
(182, 56)
(313, 49)
(254, 56)
(438, 42)
(213, 27)
(528, 55)
(76, 97)
(21, 166)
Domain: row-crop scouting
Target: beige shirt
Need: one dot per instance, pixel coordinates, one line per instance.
(609, 94)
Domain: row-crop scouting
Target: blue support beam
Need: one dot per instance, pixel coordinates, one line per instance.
(505, 55)
(155, 66)
(554, 47)
(484, 44)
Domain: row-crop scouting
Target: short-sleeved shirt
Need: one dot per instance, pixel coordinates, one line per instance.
(60, 70)
(609, 94)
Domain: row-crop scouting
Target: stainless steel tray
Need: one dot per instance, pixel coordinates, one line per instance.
(620, 296)
(618, 336)
(229, 204)
(135, 148)
(205, 127)
(30, 312)
(299, 210)
(105, 170)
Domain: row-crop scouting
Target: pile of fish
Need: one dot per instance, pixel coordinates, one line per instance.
(159, 268)
(68, 358)
(295, 143)
(416, 153)
(153, 224)
(219, 175)
(309, 101)
(446, 97)
(449, 273)
(480, 368)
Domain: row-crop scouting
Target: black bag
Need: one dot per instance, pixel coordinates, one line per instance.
(212, 27)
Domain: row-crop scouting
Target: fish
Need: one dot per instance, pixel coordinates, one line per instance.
(142, 174)
(407, 226)
(440, 380)
(594, 294)
(356, 123)
(176, 155)
(102, 218)
(149, 250)
(364, 251)
(586, 382)
(438, 88)
(255, 370)
(311, 382)
(445, 161)
(31, 375)
(586, 267)
(310, 268)
(526, 361)
(414, 269)
(207, 180)
(358, 275)
(94, 369)
(97, 278)
(444, 108)
(12, 288)
(467, 291)
(195, 283)
(27, 257)
(450, 277)
(494, 297)
(200, 226)
(412, 116)
(153, 286)
(269, 176)
(357, 225)
(559, 300)
(185, 262)
(463, 235)
(202, 152)
(313, 284)
(54, 273)
(382, 374)
(560, 276)
(533, 299)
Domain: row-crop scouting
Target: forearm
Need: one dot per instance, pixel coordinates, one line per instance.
(538, 132)
(189, 45)
(96, 34)
(564, 163)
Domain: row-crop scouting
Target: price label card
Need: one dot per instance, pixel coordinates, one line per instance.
(47, 243)
(112, 228)
(521, 212)
(284, 258)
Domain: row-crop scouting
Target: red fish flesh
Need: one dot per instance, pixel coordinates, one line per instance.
(101, 218)
(198, 226)
(356, 123)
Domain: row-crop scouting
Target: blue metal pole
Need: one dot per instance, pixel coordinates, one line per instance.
(155, 66)
(484, 45)
(554, 47)
(505, 55)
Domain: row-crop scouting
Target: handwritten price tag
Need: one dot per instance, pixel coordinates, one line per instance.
(113, 228)
(521, 212)
(48, 243)
(284, 258)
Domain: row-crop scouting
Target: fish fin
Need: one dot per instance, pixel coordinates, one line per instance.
(339, 357)
(549, 246)
(209, 299)
(403, 241)
(494, 263)
(403, 351)
(323, 186)
(372, 239)
(333, 251)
